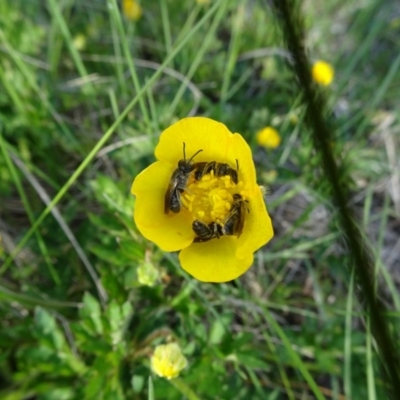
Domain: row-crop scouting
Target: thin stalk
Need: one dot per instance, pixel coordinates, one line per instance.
(151, 389)
(7, 294)
(55, 11)
(370, 363)
(115, 14)
(294, 356)
(282, 372)
(199, 56)
(184, 389)
(347, 340)
(166, 27)
(237, 26)
(31, 80)
(359, 253)
(118, 56)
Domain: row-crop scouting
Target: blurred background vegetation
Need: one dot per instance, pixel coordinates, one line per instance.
(86, 299)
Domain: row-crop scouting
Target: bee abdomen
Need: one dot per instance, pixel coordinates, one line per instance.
(206, 232)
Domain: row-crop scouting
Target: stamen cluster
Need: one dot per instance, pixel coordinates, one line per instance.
(210, 198)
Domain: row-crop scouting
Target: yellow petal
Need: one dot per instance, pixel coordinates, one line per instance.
(215, 261)
(240, 150)
(171, 231)
(257, 230)
(168, 361)
(197, 133)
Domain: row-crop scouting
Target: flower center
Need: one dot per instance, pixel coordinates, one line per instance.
(210, 198)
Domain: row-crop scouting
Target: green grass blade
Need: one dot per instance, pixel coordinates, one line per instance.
(31, 79)
(237, 26)
(56, 13)
(151, 389)
(9, 295)
(115, 14)
(25, 202)
(199, 56)
(184, 389)
(282, 372)
(294, 356)
(370, 363)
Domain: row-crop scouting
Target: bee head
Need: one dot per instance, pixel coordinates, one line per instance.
(185, 166)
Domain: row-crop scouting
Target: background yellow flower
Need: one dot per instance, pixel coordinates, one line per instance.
(168, 361)
(132, 9)
(268, 137)
(323, 73)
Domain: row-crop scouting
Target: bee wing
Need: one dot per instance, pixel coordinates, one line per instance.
(234, 221)
(240, 220)
(173, 183)
(202, 168)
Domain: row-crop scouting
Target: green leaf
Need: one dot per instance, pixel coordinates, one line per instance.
(137, 383)
(91, 312)
(110, 194)
(44, 321)
(47, 329)
(131, 249)
(252, 360)
(217, 332)
(112, 256)
(117, 318)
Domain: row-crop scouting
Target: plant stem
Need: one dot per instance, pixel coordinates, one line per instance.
(184, 389)
(292, 26)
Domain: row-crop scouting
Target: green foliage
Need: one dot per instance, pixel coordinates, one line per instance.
(291, 326)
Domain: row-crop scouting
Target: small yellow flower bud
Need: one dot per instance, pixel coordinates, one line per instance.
(268, 138)
(270, 176)
(147, 274)
(79, 41)
(132, 9)
(323, 73)
(168, 361)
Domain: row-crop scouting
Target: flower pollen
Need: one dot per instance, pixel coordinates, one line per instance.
(210, 198)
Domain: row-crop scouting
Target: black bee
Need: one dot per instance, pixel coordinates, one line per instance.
(234, 221)
(220, 169)
(231, 226)
(206, 232)
(177, 183)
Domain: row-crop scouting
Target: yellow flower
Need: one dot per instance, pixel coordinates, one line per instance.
(168, 361)
(214, 199)
(132, 9)
(268, 138)
(323, 73)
